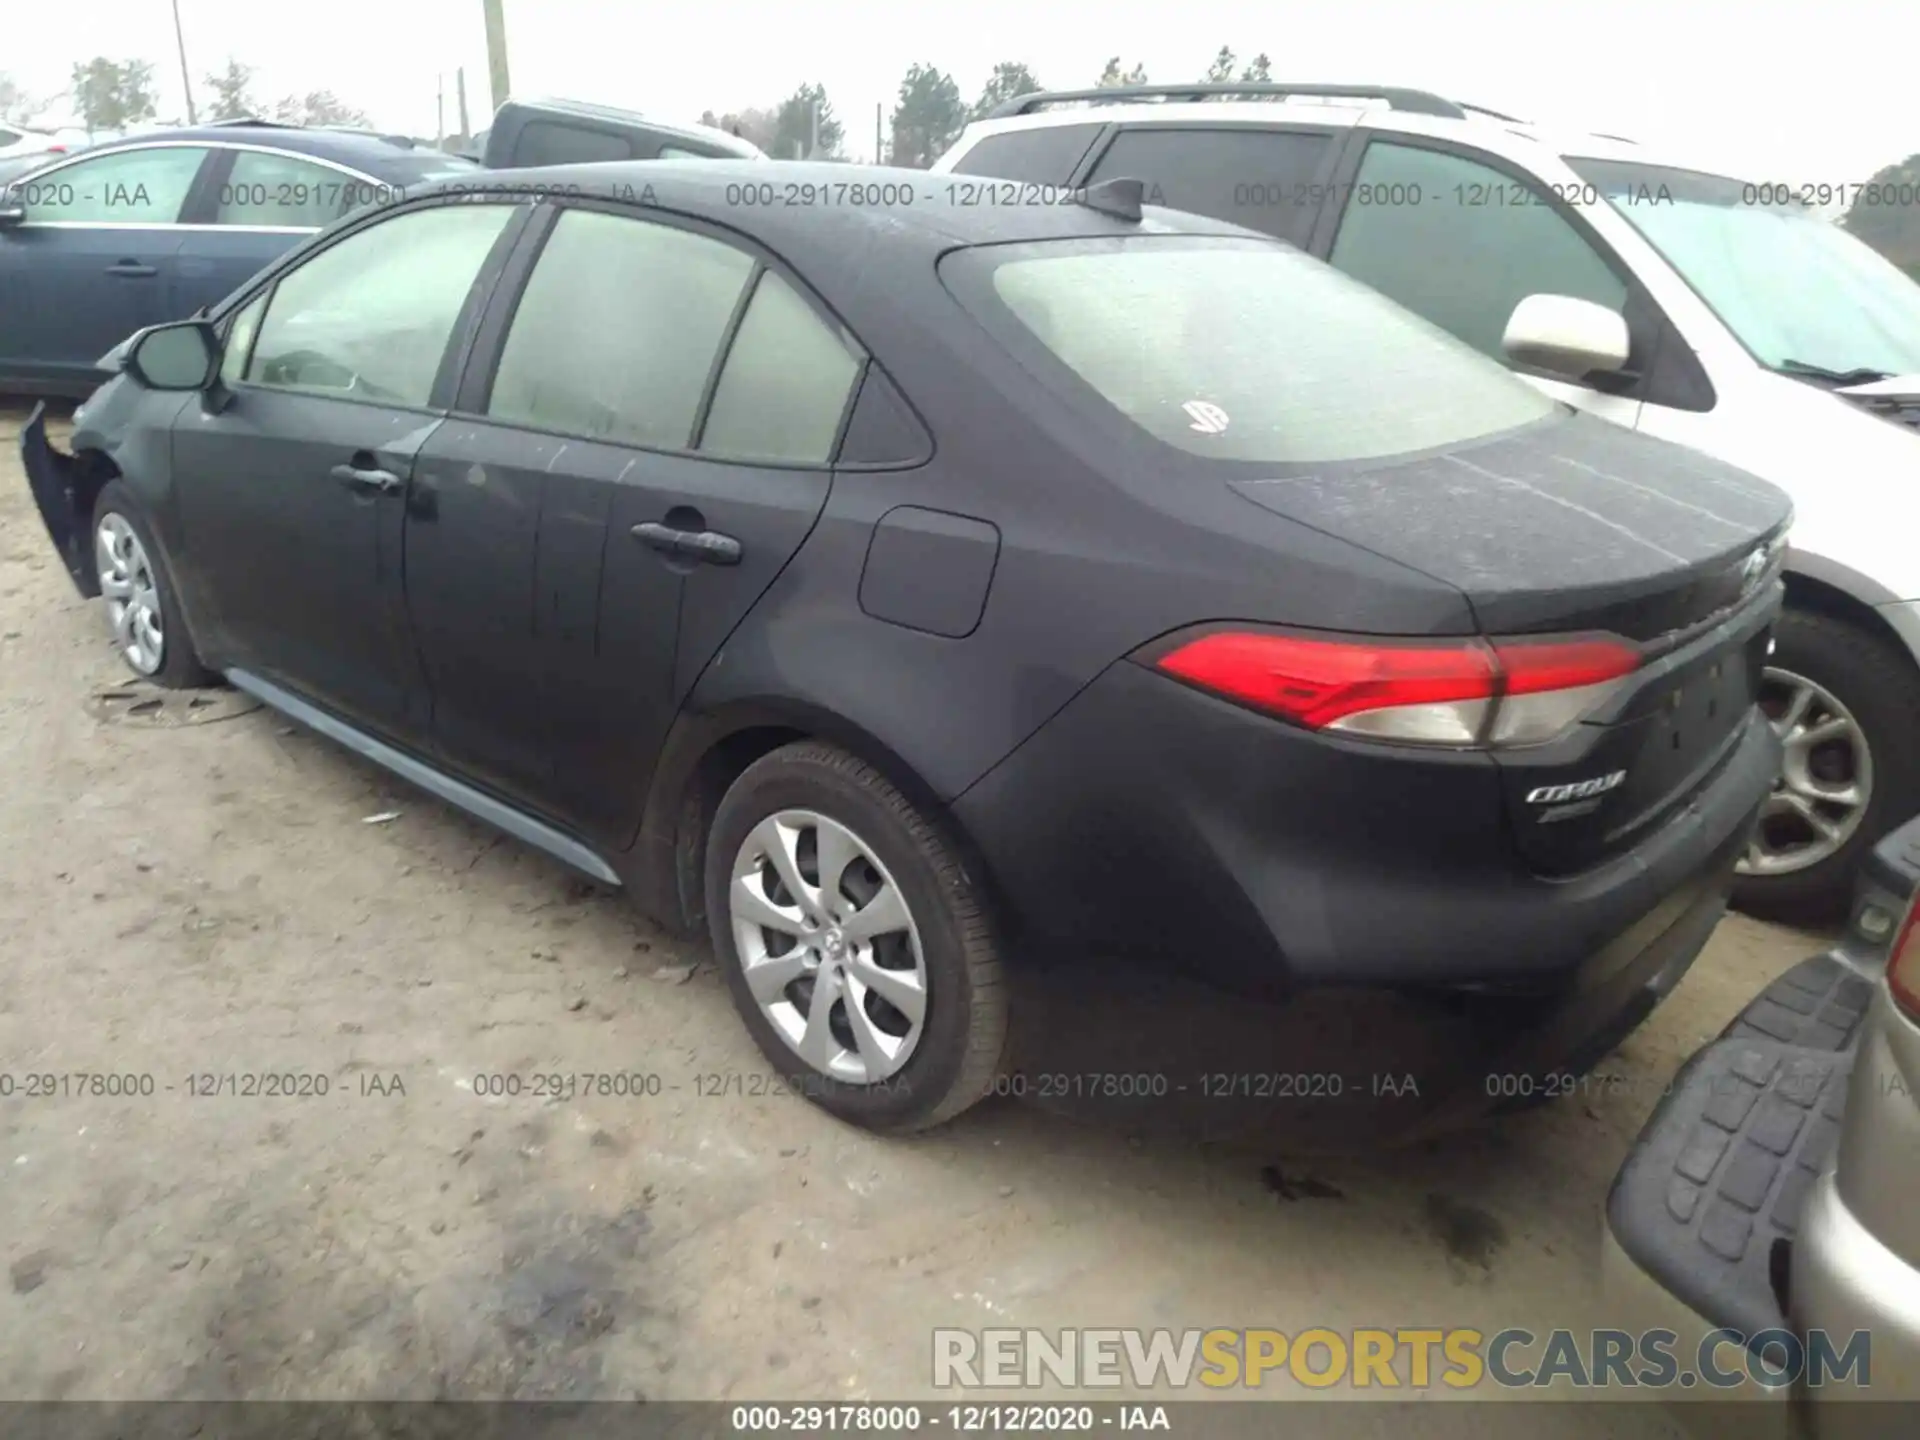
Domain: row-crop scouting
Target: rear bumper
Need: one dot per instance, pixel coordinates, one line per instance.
(1846, 1280)
(1149, 820)
(1726, 1213)
(1710, 1200)
(1256, 927)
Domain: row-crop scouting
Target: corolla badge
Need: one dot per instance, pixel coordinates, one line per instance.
(1208, 418)
(1579, 790)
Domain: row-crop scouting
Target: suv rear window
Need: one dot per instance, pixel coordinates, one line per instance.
(543, 143)
(1239, 350)
(1047, 155)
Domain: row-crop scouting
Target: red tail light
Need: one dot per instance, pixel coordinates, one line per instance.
(1451, 692)
(1903, 964)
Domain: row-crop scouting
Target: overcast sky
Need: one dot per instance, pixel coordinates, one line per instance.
(1802, 90)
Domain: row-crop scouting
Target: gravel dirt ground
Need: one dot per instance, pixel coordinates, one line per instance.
(214, 899)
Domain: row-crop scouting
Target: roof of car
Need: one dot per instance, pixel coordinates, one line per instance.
(1408, 111)
(360, 149)
(837, 224)
(614, 115)
(824, 202)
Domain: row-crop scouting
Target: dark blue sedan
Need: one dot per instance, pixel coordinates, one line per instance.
(148, 229)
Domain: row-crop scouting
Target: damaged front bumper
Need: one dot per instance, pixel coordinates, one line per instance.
(50, 475)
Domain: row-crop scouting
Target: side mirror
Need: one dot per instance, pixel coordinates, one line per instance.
(1566, 337)
(12, 213)
(181, 356)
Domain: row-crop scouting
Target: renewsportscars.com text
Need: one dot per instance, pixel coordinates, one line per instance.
(1397, 1359)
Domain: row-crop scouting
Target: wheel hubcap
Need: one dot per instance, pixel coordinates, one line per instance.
(1825, 782)
(830, 951)
(132, 596)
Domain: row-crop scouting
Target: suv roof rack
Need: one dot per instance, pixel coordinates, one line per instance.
(1418, 102)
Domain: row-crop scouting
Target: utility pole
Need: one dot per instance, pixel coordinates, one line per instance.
(460, 99)
(813, 129)
(496, 51)
(439, 111)
(879, 154)
(180, 42)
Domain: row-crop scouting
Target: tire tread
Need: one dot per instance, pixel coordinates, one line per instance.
(986, 1022)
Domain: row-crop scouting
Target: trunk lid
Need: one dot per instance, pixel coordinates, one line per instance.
(1577, 526)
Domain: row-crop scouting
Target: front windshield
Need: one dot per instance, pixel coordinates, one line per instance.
(1796, 289)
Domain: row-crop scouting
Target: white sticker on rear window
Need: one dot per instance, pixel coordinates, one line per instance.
(1208, 418)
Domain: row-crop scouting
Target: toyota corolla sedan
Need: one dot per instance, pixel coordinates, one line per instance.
(967, 616)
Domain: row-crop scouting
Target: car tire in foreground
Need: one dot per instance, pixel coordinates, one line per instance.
(859, 953)
(143, 609)
(1844, 701)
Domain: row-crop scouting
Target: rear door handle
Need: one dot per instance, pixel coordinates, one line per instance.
(366, 482)
(131, 268)
(707, 546)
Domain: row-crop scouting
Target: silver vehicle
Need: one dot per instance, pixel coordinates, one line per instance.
(1771, 1196)
(1856, 1263)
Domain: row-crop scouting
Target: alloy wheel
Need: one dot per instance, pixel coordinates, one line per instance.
(829, 948)
(1825, 783)
(131, 592)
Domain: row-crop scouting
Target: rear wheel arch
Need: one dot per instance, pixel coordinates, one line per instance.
(1846, 655)
(1823, 597)
(702, 757)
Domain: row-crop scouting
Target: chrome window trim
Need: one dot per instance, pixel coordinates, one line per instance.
(37, 177)
(171, 225)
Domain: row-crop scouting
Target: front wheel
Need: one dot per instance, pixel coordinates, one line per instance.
(858, 951)
(1844, 702)
(143, 609)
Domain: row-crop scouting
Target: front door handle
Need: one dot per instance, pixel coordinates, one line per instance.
(709, 547)
(132, 268)
(366, 482)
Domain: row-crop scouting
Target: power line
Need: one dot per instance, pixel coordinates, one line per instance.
(186, 81)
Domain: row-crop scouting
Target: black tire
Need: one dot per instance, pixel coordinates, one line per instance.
(180, 667)
(958, 1054)
(1881, 686)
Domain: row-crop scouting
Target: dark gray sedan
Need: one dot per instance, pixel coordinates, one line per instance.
(958, 609)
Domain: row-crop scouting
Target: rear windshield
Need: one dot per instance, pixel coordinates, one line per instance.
(1241, 350)
(424, 166)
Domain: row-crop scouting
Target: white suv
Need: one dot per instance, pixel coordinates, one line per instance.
(1702, 308)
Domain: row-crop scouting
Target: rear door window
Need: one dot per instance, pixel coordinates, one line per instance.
(543, 142)
(1047, 155)
(566, 367)
(272, 189)
(1238, 350)
(1462, 243)
(1264, 179)
(785, 385)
